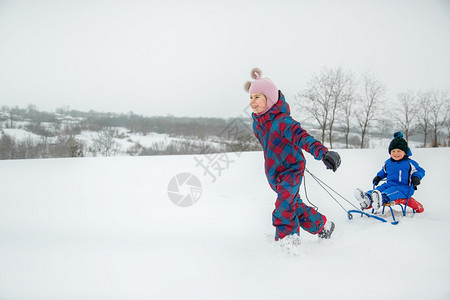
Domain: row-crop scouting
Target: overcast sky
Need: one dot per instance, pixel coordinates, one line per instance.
(192, 58)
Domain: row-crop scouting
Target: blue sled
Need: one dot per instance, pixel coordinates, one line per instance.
(394, 222)
(350, 216)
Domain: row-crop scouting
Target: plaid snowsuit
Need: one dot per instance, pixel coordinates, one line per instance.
(283, 139)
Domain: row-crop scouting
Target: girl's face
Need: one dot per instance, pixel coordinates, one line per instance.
(397, 154)
(258, 102)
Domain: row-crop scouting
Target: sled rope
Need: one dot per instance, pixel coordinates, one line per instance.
(306, 196)
(324, 186)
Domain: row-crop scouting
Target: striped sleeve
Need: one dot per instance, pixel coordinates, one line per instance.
(416, 170)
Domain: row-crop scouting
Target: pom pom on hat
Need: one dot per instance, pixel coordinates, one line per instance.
(264, 86)
(398, 134)
(247, 86)
(399, 143)
(256, 73)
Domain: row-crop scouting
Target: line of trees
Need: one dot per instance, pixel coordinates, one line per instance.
(63, 146)
(337, 101)
(92, 120)
(59, 134)
(105, 142)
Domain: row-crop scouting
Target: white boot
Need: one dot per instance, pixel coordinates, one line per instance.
(363, 198)
(291, 244)
(377, 199)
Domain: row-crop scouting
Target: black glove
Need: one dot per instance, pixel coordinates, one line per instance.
(415, 181)
(332, 160)
(376, 180)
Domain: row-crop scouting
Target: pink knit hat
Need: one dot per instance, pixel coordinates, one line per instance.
(264, 86)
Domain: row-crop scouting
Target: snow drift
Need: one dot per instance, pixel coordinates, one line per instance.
(106, 228)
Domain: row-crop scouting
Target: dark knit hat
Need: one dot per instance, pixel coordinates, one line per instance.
(399, 143)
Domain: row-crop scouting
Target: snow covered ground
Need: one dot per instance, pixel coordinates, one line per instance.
(105, 228)
(21, 135)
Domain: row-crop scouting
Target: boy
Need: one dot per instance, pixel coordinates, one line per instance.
(401, 174)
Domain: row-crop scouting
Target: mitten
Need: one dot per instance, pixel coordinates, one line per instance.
(332, 160)
(376, 180)
(415, 181)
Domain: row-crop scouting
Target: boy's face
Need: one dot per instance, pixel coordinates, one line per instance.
(397, 154)
(258, 102)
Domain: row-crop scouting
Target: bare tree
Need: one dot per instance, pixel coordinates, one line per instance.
(7, 147)
(370, 102)
(105, 143)
(346, 107)
(63, 110)
(439, 100)
(323, 98)
(67, 146)
(407, 112)
(423, 115)
(342, 90)
(316, 101)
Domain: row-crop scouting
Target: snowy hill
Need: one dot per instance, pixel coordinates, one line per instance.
(106, 228)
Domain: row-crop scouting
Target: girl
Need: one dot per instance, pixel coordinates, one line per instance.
(282, 139)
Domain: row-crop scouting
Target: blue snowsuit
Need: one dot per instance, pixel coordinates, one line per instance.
(398, 175)
(283, 139)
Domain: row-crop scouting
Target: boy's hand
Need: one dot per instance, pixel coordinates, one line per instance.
(376, 180)
(332, 160)
(415, 182)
